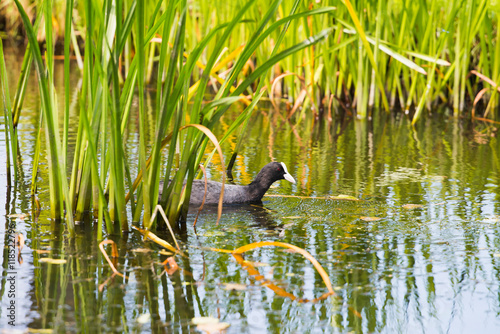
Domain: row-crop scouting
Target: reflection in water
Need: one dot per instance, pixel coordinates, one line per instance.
(432, 266)
(256, 214)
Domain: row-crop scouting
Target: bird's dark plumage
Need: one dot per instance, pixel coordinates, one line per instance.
(253, 192)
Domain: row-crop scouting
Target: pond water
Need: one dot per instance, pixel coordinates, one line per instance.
(418, 252)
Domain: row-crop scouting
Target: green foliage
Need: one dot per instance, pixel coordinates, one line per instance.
(156, 32)
(377, 54)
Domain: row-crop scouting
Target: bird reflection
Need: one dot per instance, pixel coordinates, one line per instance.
(255, 214)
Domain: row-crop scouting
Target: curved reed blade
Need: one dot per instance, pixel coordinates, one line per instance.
(114, 253)
(268, 284)
(299, 250)
(214, 140)
(151, 236)
(248, 266)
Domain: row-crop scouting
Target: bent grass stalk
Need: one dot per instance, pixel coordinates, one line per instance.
(239, 251)
(237, 254)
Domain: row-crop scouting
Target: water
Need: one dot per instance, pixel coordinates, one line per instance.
(419, 252)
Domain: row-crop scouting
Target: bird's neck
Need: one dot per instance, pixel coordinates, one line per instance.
(257, 189)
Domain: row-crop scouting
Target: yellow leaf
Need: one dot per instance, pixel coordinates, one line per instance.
(345, 197)
(20, 241)
(18, 215)
(141, 250)
(257, 264)
(235, 286)
(412, 206)
(52, 261)
(40, 330)
(156, 239)
(214, 234)
(370, 219)
(164, 252)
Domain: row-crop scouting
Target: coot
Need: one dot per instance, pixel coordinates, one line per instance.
(253, 192)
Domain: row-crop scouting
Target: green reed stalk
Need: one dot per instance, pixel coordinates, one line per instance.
(367, 48)
(81, 175)
(57, 177)
(12, 118)
(168, 103)
(257, 97)
(441, 42)
(10, 131)
(67, 42)
(36, 156)
(24, 77)
(496, 70)
(378, 32)
(142, 115)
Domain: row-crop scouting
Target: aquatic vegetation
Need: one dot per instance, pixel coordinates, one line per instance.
(365, 57)
(101, 174)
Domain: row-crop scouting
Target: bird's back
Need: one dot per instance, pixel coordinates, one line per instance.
(232, 193)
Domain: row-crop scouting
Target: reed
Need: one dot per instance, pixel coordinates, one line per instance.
(374, 57)
(411, 55)
(183, 65)
(10, 130)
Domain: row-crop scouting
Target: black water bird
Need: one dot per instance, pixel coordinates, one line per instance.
(234, 194)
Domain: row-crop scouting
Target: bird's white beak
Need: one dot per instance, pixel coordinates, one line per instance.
(287, 176)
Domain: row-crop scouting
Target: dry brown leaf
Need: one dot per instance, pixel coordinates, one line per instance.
(238, 255)
(481, 138)
(170, 265)
(114, 254)
(156, 239)
(20, 241)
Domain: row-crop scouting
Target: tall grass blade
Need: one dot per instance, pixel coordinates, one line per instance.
(59, 188)
(369, 52)
(10, 131)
